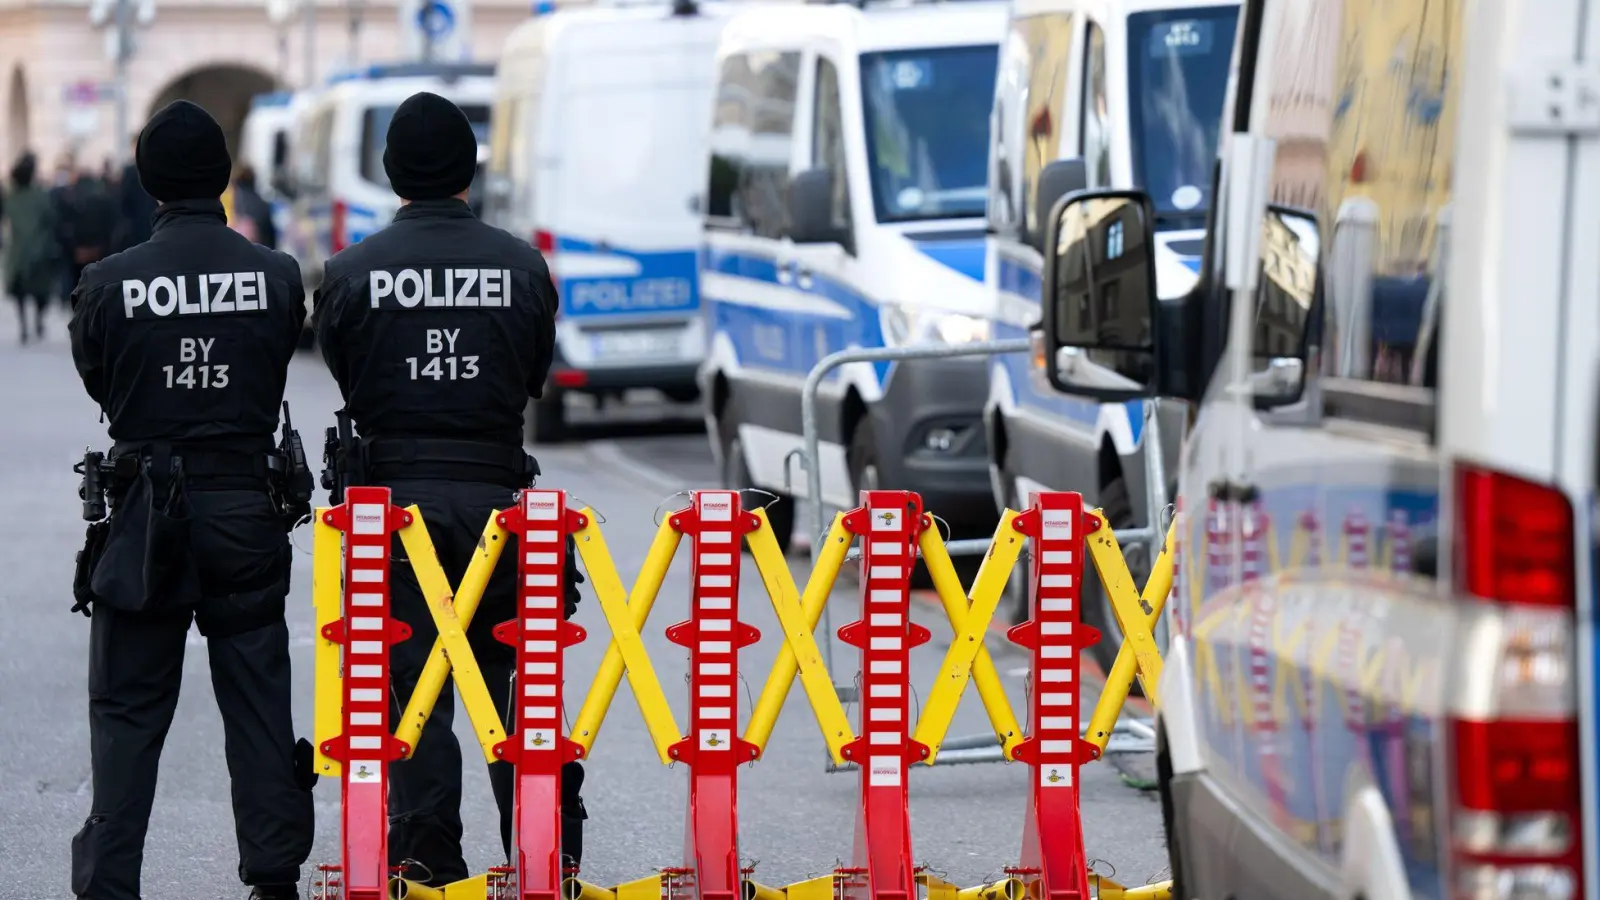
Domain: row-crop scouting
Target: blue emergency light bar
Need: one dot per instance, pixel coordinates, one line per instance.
(447, 71)
(275, 98)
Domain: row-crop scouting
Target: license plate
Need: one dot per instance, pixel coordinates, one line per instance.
(634, 344)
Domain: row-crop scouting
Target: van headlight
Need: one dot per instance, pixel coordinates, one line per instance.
(917, 325)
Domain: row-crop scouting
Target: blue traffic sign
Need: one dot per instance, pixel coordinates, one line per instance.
(436, 18)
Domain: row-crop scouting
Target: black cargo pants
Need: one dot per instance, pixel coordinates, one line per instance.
(425, 826)
(135, 668)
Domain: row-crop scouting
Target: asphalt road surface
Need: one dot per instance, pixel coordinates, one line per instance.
(797, 820)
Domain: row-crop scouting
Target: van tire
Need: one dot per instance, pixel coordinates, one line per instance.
(862, 459)
(1169, 813)
(736, 477)
(547, 418)
(1097, 611)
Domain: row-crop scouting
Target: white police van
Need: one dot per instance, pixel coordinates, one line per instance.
(1382, 677)
(844, 208)
(1094, 93)
(341, 192)
(264, 141)
(597, 153)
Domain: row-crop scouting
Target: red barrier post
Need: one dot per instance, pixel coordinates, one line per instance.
(535, 744)
(367, 744)
(888, 523)
(713, 749)
(1054, 866)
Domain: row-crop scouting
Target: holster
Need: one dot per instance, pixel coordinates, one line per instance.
(148, 564)
(94, 547)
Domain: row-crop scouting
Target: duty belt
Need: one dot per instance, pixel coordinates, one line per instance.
(206, 468)
(449, 460)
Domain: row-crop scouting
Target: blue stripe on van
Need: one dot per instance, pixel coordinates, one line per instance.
(964, 256)
(667, 282)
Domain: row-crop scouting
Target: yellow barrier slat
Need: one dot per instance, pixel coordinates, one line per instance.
(984, 674)
(620, 616)
(800, 652)
(327, 600)
(1138, 655)
(452, 634)
(431, 683)
(971, 627)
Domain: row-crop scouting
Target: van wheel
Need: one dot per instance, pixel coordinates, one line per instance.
(1168, 813)
(1097, 609)
(736, 477)
(862, 458)
(547, 418)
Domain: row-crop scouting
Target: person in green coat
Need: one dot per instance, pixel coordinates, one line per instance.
(31, 265)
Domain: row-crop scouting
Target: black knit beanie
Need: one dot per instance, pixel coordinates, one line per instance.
(182, 155)
(432, 152)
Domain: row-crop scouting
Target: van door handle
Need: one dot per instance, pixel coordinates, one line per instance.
(802, 277)
(786, 272)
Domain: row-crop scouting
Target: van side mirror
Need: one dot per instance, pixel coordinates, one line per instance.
(811, 210)
(1286, 291)
(1100, 305)
(1058, 179)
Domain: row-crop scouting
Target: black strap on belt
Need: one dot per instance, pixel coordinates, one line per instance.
(217, 469)
(449, 460)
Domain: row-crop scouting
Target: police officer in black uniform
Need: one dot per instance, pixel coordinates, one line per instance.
(185, 343)
(438, 329)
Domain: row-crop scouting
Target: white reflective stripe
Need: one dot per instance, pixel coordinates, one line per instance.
(539, 712)
(539, 646)
(366, 623)
(539, 624)
(1056, 651)
(884, 714)
(716, 690)
(536, 601)
(889, 620)
(716, 646)
(1055, 746)
(716, 559)
(1055, 627)
(1050, 675)
(540, 559)
(716, 712)
(365, 742)
(1056, 533)
(542, 537)
(888, 548)
(716, 602)
(367, 551)
(716, 625)
(1056, 722)
(366, 695)
(886, 572)
(886, 643)
(887, 595)
(1055, 604)
(716, 581)
(366, 718)
(884, 737)
(884, 667)
(716, 537)
(716, 669)
(366, 576)
(366, 599)
(541, 580)
(1055, 581)
(538, 690)
(1055, 699)
(1056, 558)
(366, 647)
(884, 690)
(366, 671)
(539, 668)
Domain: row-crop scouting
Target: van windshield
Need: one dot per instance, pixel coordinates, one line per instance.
(375, 126)
(1178, 68)
(927, 125)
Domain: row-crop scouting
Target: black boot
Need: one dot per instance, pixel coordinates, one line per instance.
(275, 892)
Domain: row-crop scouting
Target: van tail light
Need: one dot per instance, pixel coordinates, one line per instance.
(545, 242)
(339, 230)
(1516, 813)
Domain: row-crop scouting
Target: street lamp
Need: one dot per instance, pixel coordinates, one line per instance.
(123, 15)
(278, 13)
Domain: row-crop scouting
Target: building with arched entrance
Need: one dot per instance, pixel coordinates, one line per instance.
(218, 53)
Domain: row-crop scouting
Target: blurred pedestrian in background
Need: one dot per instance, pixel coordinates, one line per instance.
(252, 214)
(31, 250)
(135, 208)
(60, 193)
(91, 216)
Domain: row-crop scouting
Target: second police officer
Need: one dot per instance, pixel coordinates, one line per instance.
(184, 342)
(438, 329)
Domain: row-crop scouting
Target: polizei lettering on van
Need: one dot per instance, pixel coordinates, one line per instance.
(411, 288)
(194, 295)
(640, 295)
